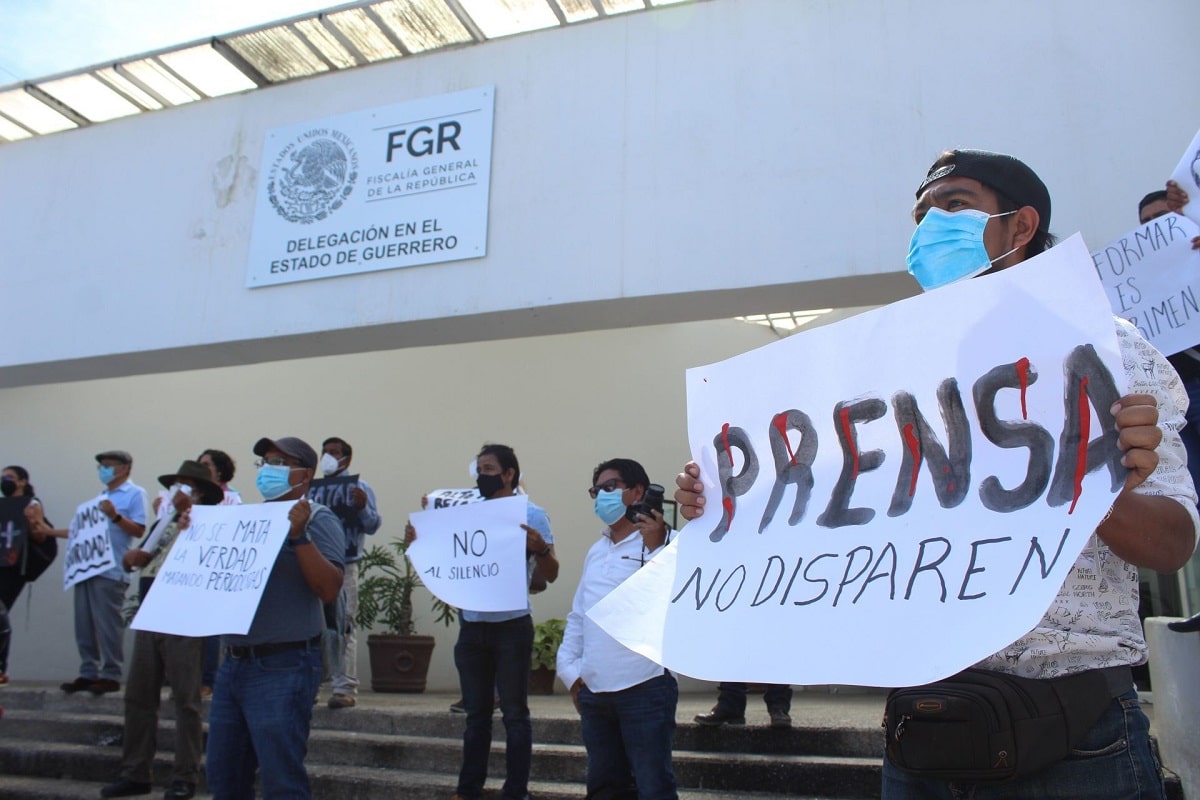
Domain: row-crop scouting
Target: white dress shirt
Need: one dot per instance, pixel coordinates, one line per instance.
(587, 651)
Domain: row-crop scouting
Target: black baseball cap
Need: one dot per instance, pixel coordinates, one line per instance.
(288, 445)
(1005, 174)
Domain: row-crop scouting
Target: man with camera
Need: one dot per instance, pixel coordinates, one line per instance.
(626, 702)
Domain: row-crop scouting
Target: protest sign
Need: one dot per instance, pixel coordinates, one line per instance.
(12, 530)
(444, 498)
(337, 494)
(89, 551)
(894, 497)
(473, 556)
(213, 578)
(1152, 276)
(1187, 175)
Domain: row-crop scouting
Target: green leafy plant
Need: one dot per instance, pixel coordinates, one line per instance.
(547, 636)
(385, 590)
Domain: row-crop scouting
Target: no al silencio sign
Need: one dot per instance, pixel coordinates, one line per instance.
(395, 186)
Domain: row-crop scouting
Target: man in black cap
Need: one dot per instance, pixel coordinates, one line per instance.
(262, 703)
(160, 658)
(980, 212)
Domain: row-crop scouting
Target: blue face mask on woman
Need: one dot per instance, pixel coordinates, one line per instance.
(948, 247)
(608, 506)
(272, 481)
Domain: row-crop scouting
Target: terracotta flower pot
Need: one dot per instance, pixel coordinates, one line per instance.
(541, 680)
(399, 663)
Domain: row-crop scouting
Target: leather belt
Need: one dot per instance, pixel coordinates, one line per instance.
(269, 649)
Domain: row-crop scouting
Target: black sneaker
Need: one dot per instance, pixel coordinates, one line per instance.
(779, 718)
(457, 707)
(718, 717)
(125, 788)
(77, 685)
(180, 790)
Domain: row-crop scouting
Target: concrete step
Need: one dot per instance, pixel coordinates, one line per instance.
(81, 746)
(54, 745)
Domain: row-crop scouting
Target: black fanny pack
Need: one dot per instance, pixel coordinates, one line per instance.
(983, 726)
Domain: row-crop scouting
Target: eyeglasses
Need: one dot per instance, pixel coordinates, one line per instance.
(607, 486)
(274, 462)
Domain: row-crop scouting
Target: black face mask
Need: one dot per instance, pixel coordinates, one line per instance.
(488, 485)
(8, 487)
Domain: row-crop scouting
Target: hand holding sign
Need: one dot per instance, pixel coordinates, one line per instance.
(1177, 198)
(214, 576)
(943, 477)
(473, 556)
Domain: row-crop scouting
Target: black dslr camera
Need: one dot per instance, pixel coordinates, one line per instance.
(652, 500)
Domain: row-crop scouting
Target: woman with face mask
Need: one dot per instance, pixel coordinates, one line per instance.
(24, 551)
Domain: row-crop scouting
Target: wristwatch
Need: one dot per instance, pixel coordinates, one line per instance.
(299, 540)
(117, 519)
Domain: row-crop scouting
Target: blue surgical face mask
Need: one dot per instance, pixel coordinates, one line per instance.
(948, 247)
(272, 481)
(608, 506)
(107, 473)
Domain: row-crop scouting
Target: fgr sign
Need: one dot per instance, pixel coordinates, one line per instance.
(389, 187)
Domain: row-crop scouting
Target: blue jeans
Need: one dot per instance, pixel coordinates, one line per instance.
(731, 697)
(1114, 761)
(628, 737)
(495, 655)
(260, 715)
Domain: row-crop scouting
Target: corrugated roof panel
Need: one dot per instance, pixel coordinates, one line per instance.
(422, 24)
(207, 70)
(127, 87)
(90, 97)
(11, 132)
(505, 17)
(160, 81)
(326, 43)
(622, 6)
(577, 10)
(32, 113)
(357, 26)
(278, 53)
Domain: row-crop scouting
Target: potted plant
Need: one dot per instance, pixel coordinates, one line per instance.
(399, 657)
(547, 636)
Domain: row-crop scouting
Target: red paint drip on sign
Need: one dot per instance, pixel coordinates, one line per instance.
(1023, 378)
(848, 432)
(1085, 427)
(914, 447)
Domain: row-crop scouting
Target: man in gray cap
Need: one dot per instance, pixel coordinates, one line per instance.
(979, 212)
(262, 702)
(98, 599)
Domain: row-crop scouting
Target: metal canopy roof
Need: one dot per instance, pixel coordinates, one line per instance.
(344, 37)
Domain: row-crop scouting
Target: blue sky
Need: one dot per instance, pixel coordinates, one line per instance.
(39, 38)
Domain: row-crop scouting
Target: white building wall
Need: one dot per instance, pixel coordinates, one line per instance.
(415, 418)
(704, 160)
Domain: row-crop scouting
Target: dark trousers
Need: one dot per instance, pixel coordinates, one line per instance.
(495, 655)
(731, 697)
(628, 735)
(159, 657)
